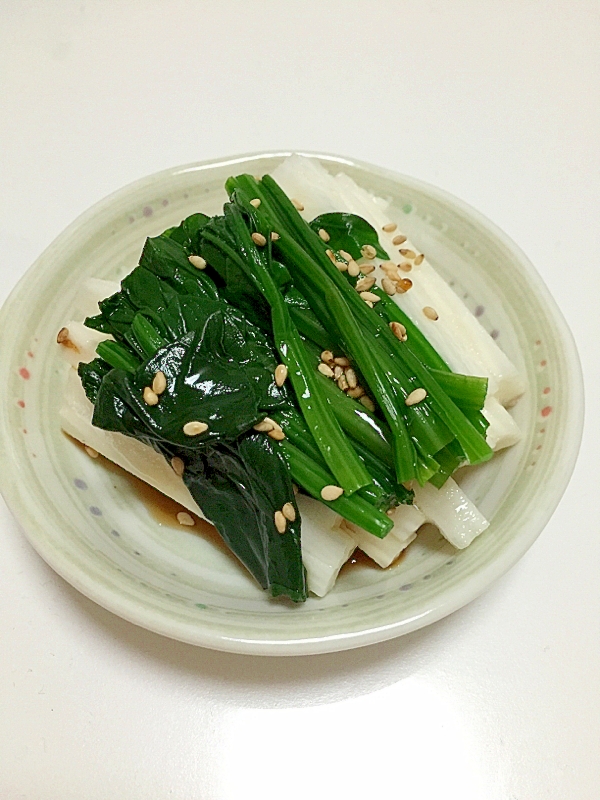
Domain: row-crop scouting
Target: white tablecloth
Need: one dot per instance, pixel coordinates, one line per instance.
(496, 102)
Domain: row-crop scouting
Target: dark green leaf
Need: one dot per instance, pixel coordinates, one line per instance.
(348, 232)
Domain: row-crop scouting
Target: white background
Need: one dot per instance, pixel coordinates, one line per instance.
(496, 102)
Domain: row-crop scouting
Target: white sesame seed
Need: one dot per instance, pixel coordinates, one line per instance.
(275, 425)
(368, 251)
(405, 266)
(331, 492)
(399, 331)
(276, 434)
(264, 426)
(408, 253)
(399, 239)
(326, 356)
(183, 518)
(326, 370)
(430, 313)
(387, 265)
(369, 303)
(62, 336)
(194, 428)
(367, 402)
(390, 227)
(150, 397)
(341, 265)
(280, 522)
(389, 287)
(337, 372)
(178, 465)
(259, 239)
(324, 235)
(342, 361)
(281, 373)
(419, 259)
(197, 261)
(274, 236)
(416, 397)
(356, 393)
(353, 269)
(289, 512)
(345, 255)
(91, 452)
(297, 204)
(159, 384)
(351, 378)
(342, 383)
(364, 284)
(372, 298)
(366, 269)
(255, 202)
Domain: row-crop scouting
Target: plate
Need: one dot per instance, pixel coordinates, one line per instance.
(95, 530)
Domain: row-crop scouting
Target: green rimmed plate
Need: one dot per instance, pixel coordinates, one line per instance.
(95, 531)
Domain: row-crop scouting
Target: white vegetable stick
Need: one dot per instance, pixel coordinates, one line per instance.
(81, 343)
(450, 510)
(457, 335)
(502, 431)
(407, 520)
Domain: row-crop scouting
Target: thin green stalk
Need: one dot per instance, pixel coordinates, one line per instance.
(118, 356)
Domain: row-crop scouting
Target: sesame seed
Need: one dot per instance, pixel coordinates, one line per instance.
(372, 298)
(150, 397)
(405, 266)
(289, 512)
(263, 427)
(390, 227)
(195, 428)
(183, 518)
(259, 239)
(342, 383)
(366, 269)
(197, 261)
(404, 285)
(274, 236)
(351, 378)
(419, 259)
(277, 434)
(91, 452)
(342, 361)
(416, 397)
(408, 253)
(331, 492)
(178, 465)
(431, 313)
(281, 373)
(388, 286)
(326, 356)
(280, 522)
(255, 202)
(324, 235)
(345, 255)
(364, 284)
(367, 402)
(353, 269)
(368, 251)
(337, 372)
(297, 204)
(341, 265)
(62, 335)
(399, 331)
(398, 239)
(326, 370)
(369, 303)
(159, 384)
(356, 393)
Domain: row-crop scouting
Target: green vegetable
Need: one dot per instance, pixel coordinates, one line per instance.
(348, 232)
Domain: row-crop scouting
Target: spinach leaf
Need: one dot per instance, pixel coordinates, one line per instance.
(187, 233)
(348, 232)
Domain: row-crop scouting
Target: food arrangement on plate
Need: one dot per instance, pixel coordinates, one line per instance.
(296, 372)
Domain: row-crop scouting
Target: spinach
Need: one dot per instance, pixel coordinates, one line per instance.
(348, 232)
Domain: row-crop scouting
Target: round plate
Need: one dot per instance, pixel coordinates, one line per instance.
(90, 525)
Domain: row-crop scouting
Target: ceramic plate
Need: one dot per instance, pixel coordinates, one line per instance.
(96, 531)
